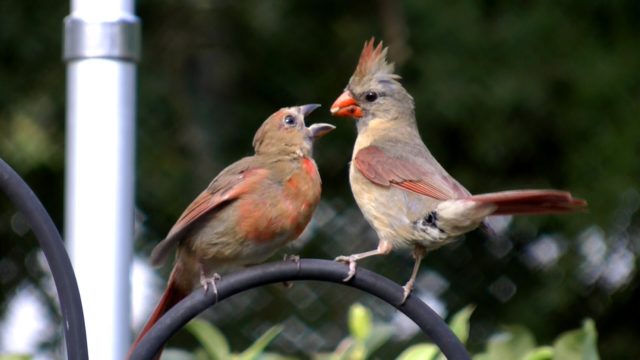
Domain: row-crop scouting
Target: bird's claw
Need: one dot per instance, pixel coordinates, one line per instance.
(352, 262)
(407, 289)
(210, 282)
(296, 260)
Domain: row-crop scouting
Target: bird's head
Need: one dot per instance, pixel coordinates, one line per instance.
(285, 132)
(374, 92)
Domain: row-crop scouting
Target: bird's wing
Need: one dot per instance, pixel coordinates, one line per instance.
(229, 185)
(386, 170)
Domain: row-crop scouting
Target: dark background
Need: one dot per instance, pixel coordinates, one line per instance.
(508, 95)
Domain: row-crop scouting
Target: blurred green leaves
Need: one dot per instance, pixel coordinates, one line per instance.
(214, 345)
(15, 357)
(517, 343)
(578, 344)
(514, 342)
(459, 324)
(366, 336)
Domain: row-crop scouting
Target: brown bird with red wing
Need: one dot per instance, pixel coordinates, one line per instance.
(251, 209)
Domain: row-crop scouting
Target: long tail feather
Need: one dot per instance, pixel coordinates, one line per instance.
(531, 202)
(170, 297)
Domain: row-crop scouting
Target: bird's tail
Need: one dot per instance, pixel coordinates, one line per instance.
(170, 297)
(530, 202)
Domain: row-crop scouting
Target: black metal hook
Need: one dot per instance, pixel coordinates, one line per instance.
(51, 243)
(305, 269)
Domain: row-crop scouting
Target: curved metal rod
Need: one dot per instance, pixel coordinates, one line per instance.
(305, 269)
(63, 276)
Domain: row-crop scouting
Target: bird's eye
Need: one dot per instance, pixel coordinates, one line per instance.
(371, 96)
(289, 120)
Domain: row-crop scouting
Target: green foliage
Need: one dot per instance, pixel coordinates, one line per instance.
(514, 342)
(580, 344)
(517, 343)
(212, 340)
(365, 337)
(15, 357)
(420, 352)
(360, 322)
(214, 345)
(459, 324)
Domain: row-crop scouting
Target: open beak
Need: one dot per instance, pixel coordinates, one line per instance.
(308, 109)
(320, 129)
(346, 106)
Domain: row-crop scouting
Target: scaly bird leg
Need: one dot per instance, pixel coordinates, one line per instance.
(294, 258)
(418, 254)
(209, 281)
(384, 248)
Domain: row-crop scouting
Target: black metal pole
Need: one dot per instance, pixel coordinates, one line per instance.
(306, 269)
(51, 243)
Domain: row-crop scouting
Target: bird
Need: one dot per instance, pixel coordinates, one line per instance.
(406, 196)
(251, 209)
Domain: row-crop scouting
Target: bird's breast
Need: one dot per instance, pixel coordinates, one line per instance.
(393, 212)
(377, 130)
(282, 212)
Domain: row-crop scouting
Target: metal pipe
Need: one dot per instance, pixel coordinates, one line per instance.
(101, 46)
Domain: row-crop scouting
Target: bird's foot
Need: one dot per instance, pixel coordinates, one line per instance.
(296, 260)
(350, 260)
(209, 282)
(407, 289)
(291, 257)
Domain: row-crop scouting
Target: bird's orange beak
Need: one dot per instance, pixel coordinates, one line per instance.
(346, 106)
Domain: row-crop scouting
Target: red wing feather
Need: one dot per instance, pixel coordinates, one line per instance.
(385, 170)
(204, 203)
(170, 297)
(423, 188)
(224, 189)
(519, 202)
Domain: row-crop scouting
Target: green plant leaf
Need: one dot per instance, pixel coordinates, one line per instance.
(379, 335)
(342, 351)
(512, 343)
(15, 357)
(360, 322)
(357, 352)
(540, 353)
(327, 356)
(482, 356)
(459, 323)
(580, 344)
(274, 356)
(177, 354)
(200, 354)
(257, 348)
(419, 352)
(211, 339)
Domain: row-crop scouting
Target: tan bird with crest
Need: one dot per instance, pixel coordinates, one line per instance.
(403, 192)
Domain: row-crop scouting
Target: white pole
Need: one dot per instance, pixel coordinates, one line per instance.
(102, 44)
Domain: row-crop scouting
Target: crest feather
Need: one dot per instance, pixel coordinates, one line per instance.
(373, 61)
